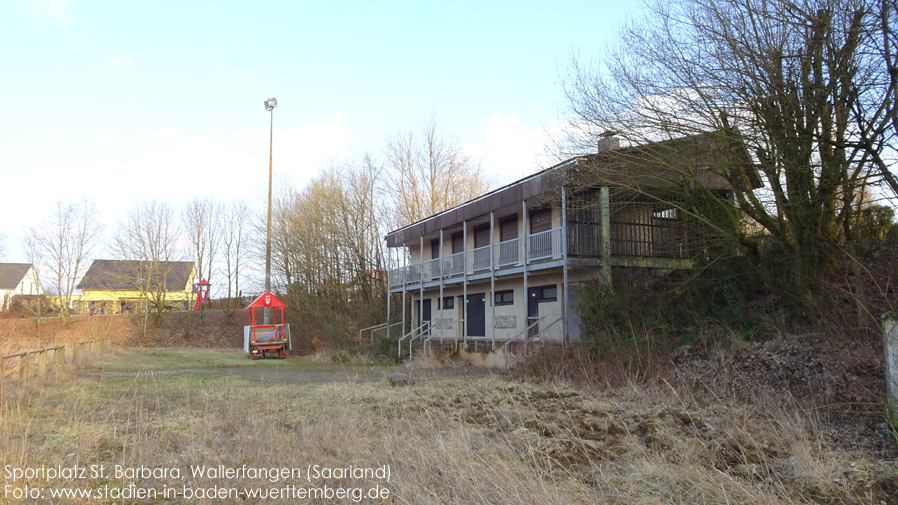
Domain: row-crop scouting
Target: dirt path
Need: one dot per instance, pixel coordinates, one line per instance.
(314, 374)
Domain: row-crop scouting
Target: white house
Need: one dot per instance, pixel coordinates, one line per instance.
(17, 279)
(501, 270)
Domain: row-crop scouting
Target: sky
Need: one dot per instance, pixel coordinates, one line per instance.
(125, 101)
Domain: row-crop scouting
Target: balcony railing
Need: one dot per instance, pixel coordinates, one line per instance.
(544, 245)
(454, 265)
(506, 254)
(479, 259)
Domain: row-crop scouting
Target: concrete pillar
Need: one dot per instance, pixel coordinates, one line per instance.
(890, 337)
(605, 209)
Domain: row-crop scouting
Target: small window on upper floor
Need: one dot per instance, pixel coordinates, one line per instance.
(435, 248)
(508, 229)
(481, 236)
(458, 242)
(540, 220)
(665, 213)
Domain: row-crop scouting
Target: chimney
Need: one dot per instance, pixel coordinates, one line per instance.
(608, 141)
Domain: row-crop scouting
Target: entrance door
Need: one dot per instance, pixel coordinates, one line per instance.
(424, 315)
(532, 311)
(476, 316)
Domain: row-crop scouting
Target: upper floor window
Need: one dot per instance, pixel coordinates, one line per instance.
(458, 242)
(435, 248)
(541, 220)
(481, 236)
(508, 229)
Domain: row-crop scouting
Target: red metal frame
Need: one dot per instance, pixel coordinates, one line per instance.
(267, 300)
(202, 292)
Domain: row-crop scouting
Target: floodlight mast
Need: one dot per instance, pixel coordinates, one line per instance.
(270, 104)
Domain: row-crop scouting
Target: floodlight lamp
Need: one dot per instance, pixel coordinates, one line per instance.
(271, 103)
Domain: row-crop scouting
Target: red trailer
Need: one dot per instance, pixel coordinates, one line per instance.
(259, 339)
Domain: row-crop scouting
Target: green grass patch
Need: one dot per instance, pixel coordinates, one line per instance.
(179, 359)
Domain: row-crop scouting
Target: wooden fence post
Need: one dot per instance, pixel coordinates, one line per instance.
(75, 353)
(890, 338)
(23, 369)
(59, 357)
(42, 363)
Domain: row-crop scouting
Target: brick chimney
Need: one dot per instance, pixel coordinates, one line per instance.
(608, 141)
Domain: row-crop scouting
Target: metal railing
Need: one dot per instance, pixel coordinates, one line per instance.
(478, 259)
(454, 265)
(417, 332)
(528, 338)
(544, 244)
(508, 253)
(375, 328)
(435, 334)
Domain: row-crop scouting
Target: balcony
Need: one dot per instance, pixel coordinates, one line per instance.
(541, 247)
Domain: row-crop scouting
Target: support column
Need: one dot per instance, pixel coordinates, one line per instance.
(464, 283)
(420, 290)
(440, 301)
(525, 244)
(564, 267)
(605, 209)
(492, 295)
(404, 283)
(389, 297)
(890, 337)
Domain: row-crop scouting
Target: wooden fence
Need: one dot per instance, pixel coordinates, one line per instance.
(23, 366)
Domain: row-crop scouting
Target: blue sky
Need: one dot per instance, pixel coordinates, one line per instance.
(129, 100)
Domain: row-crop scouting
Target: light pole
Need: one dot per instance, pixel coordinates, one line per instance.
(270, 104)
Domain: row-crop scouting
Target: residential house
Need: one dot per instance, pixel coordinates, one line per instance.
(114, 286)
(503, 268)
(17, 279)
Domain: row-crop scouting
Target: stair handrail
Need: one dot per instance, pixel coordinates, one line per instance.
(433, 334)
(419, 335)
(374, 328)
(523, 332)
(409, 334)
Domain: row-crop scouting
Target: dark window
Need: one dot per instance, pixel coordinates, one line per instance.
(458, 242)
(505, 297)
(548, 293)
(540, 220)
(435, 248)
(481, 236)
(448, 302)
(508, 229)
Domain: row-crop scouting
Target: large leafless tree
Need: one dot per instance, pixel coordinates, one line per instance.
(147, 238)
(201, 222)
(235, 223)
(806, 87)
(430, 173)
(62, 246)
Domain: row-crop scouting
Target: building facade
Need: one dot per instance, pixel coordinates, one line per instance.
(504, 269)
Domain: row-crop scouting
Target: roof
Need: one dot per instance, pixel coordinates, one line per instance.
(259, 302)
(659, 165)
(122, 275)
(11, 274)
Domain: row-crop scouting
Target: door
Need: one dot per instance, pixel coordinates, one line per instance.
(475, 319)
(424, 315)
(532, 311)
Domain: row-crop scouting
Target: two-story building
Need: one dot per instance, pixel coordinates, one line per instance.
(504, 268)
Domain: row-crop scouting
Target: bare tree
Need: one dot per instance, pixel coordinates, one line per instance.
(235, 228)
(148, 240)
(430, 173)
(63, 243)
(800, 87)
(201, 221)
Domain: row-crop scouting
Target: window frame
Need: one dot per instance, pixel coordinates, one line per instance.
(497, 294)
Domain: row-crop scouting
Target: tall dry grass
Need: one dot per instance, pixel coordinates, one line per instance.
(473, 440)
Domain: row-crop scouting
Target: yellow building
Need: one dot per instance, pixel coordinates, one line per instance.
(116, 286)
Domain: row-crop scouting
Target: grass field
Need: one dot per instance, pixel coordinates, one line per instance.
(446, 438)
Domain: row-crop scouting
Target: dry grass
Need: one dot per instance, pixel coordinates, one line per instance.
(447, 440)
